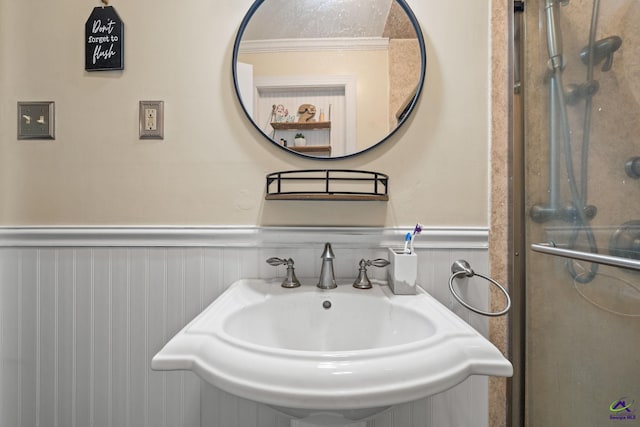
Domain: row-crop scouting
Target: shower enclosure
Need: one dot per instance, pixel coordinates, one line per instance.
(580, 92)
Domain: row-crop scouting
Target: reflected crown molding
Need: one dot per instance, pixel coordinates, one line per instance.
(320, 44)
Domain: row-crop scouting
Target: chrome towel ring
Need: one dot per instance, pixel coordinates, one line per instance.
(462, 268)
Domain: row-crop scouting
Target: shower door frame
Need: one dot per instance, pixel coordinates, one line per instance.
(518, 248)
(516, 271)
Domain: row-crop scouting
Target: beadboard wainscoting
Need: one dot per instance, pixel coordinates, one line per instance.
(83, 311)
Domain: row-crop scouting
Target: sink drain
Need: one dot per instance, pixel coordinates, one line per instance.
(326, 305)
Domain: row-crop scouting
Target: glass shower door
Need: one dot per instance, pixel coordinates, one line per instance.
(582, 200)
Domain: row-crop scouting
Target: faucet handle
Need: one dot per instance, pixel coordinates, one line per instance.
(363, 282)
(291, 281)
(275, 261)
(378, 262)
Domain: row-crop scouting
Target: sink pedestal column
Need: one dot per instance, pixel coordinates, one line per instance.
(219, 408)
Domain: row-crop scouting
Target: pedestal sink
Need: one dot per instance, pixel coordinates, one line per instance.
(342, 354)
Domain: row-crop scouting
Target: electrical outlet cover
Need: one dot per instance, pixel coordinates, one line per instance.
(36, 120)
(151, 127)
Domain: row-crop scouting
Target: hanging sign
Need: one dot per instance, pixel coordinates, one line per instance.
(104, 40)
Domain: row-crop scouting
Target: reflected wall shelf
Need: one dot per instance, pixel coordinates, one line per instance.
(320, 150)
(300, 125)
(316, 149)
(327, 184)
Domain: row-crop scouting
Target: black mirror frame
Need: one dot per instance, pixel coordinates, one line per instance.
(407, 112)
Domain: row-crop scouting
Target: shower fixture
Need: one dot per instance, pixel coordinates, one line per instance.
(576, 210)
(632, 167)
(576, 92)
(565, 212)
(602, 50)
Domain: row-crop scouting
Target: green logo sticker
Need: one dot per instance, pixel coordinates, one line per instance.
(622, 409)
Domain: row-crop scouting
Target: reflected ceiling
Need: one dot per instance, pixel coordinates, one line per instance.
(329, 18)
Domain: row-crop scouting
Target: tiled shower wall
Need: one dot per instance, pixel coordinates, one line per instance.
(80, 320)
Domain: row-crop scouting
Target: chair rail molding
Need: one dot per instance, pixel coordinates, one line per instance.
(241, 236)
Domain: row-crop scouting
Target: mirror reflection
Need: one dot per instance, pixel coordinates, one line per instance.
(328, 78)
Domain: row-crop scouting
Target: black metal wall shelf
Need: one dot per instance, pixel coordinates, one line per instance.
(327, 184)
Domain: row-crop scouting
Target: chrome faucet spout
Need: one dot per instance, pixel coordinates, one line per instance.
(327, 278)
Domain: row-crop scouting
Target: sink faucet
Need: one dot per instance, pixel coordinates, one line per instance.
(291, 281)
(327, 279)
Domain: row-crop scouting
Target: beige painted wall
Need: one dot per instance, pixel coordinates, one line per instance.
(210, 168)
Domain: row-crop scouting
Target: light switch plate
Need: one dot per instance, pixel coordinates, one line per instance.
(36, 120)
(151, 119)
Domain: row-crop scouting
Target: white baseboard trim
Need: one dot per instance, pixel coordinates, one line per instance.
(241, 236)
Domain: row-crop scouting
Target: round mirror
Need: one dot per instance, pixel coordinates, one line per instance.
(328, 79)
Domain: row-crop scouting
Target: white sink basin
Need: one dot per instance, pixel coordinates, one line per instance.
(369, 350)
(355, 321)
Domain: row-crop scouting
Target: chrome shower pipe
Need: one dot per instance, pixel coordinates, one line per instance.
(559, 139)
(555, 91)
(554, 36)
(557, 113)
(558, 119)
(595, 13)
(588, 106)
